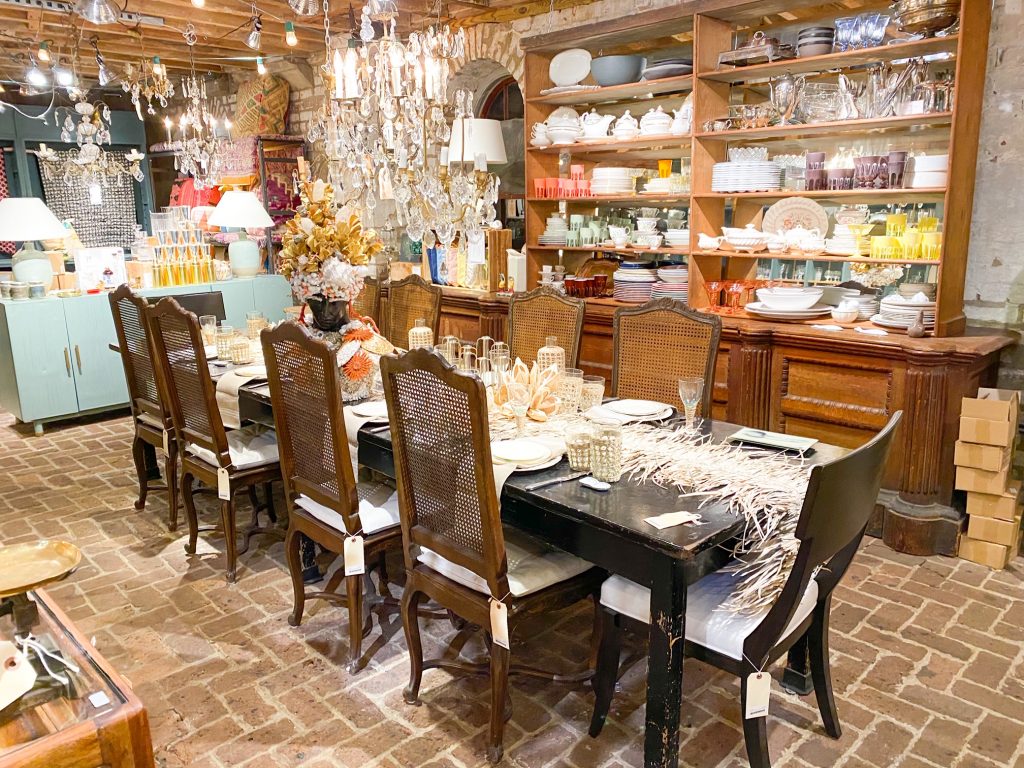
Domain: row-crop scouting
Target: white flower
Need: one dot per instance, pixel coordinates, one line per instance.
(348, 351)
(319, 189)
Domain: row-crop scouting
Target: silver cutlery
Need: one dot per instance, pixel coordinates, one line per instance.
(554, 481)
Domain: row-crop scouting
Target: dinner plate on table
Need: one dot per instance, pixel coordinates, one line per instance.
(636, 407)
(252, 371)
(537, 467)
(521, 451)
(373, 409)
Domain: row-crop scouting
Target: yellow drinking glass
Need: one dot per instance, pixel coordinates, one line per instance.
(927, 224)
(664, 168)
(895, 224)
(910, 243)
(931, 245)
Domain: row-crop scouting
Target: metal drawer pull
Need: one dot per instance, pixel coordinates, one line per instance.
(78, 358)
(67, 361)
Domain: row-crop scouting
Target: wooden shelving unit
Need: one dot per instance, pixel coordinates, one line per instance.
(714, 89)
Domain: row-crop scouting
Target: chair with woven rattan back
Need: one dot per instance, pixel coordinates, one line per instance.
(657, 344)
(410, 299)
(324, 500)
(457, 552)
(223, 461)
(540, 313)
(367, 303)
(150, 415)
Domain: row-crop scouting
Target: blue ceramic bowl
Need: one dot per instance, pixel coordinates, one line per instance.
(617, 70)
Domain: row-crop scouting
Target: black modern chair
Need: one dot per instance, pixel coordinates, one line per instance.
(199, 304)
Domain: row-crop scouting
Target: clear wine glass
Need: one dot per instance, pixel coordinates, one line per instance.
(691, 389)
(519, 401)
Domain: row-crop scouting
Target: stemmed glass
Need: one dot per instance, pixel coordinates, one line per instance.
(690, 390)
(519, 401)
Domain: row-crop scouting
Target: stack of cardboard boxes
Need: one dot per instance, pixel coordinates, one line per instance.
(984, 460)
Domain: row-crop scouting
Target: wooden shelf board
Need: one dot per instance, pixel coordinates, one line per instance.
(630, 200)
(820, 257)
(843, 60)
(909, 195)
(593, 248)
(669, 146)
(862, 125)
(641, 90)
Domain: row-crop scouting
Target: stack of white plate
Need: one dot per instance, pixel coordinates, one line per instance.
(675, 274)
(898, 312)
(760, 309)
(634, 285)
(612, 181)
(677, 291)
(909, 290)
(842, 243)
(660, 186)
(528, 455)
(755, 176)
(677, 238)
(868, 305)
(925, 171)
(555, 232)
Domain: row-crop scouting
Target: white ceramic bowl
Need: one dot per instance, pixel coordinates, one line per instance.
(747, 242)
(649, 240)
(845, 315)
(561, 136)
(929, 163)
(806, 299)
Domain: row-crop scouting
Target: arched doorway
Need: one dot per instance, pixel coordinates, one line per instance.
(502, 100)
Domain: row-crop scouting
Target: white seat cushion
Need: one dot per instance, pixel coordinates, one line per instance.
(707, 623)
(249, 447)
(373, 518)
(532, 565)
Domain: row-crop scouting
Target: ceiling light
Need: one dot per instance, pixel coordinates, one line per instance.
(2, 89)
(43, 54)
(98, 11)
(36, 77)
(289, 34)
(260, 66)
(63, 77)
(198, 3)
(158, 68)
(253, 39)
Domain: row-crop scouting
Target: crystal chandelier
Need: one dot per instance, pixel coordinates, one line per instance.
(147, 81)
(384, 126)
(88, 126)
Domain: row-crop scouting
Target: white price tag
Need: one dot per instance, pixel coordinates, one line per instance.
(223, 484)
(354, 563)
(167, 443)
(759, 690)
(499, 623)
(17, 675)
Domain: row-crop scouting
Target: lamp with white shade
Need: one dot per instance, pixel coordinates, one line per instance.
(26, 220)
(242, 209)
(475, 140)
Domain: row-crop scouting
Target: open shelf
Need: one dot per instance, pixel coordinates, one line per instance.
(644, 89)
(841, 60)
(666, 146)
(832, 128)
(633, 251)
(859, 195)
(819, 257)
(639, 201)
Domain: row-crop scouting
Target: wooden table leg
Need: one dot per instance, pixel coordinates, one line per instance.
(665, 664)
(797, 676)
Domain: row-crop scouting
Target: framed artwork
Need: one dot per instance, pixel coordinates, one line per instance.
(100, 267)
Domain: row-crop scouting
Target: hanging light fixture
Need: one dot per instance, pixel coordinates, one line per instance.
(43, 54)
(36, 77)
(289, 34)
(146, 81)
(261, 68)
(198, 3)
(63, 76)
(256, 32)
(98, 11)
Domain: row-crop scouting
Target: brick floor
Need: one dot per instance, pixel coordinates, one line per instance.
(927, 654)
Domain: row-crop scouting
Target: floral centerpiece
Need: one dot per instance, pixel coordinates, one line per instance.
(324, 257)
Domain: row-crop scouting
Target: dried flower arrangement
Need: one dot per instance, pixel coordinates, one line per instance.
(541, 385)
(875, 275)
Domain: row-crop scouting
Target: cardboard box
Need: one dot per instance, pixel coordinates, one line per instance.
(983, 552)
(980, 481)
(991, 458)
(1003, 506)
(992, 404)
(995, 531)
(987, 431)
(66, 281)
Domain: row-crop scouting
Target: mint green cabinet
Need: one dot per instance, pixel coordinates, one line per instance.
(98, 371)
(238, 301)
(272, 294)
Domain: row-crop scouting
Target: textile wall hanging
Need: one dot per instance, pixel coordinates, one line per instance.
(109, 224)
(261, 107)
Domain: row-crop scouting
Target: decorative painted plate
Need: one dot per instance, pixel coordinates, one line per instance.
(795, 212)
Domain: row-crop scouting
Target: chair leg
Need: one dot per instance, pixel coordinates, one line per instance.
(190, 512)
(139, 457)
(354, 590)
(410, 623)
(607, 670)
(821, 673)
(170, 472)
(292, 543)
(755, 732)
(382, 575)
(227, 515)
(268, 491)
(499, 694)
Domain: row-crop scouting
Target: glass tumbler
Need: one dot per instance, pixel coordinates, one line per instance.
(570, 388)
(606, 453)
(208, 328)
(577, 447)
(592, 393)
(225, 335)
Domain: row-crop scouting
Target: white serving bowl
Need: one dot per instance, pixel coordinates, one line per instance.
(845, 315)
(920, 163)
(563, 136)
(747, 242)
(806, 299)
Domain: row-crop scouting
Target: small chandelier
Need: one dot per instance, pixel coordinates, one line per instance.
(149, 82)
(88, 126)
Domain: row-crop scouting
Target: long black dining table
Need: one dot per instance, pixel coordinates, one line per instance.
(608, 530)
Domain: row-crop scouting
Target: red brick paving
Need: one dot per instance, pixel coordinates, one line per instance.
(928, 657)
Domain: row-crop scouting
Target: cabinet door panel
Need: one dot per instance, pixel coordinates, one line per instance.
(39, 383)
(272, 294)
(99, 374)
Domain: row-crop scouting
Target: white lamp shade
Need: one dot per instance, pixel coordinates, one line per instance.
(28, 218)
(481, 137)
(240, 209)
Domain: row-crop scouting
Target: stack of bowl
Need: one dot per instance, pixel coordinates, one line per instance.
(784, 303)
(926, 17)
(815, 41)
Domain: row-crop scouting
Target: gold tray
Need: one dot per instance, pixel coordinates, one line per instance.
(28, 566)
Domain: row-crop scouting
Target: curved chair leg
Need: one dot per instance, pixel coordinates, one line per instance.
(410, 623)
(607, 670)
(382, 575)
(354, 590)
(292, 543)
(139, 457)
(821, 673)
(499, 694)
(227, 515)
(190, 512)
(755, 732)
(170, 472)
(268, 491)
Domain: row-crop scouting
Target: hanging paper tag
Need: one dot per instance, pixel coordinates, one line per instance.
(223, 484)
(759, 690)
(354, 564)
(17, 675)
(499, 623)
(167, 443)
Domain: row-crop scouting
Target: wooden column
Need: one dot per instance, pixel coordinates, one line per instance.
(754, 369)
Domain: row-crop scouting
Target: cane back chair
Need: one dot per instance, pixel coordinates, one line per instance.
(543, 312)
(367, 303)
(409, 300)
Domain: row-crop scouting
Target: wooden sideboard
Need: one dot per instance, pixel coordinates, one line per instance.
(840, 387)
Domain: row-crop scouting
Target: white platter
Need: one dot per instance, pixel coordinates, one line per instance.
(570, 67)
(758, 308)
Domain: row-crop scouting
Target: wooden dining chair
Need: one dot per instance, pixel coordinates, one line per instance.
(367, 303)
(660, 342)
(841, 496)
(410, 299)
(146, 394)
(241, 459)
(540, 313)
(457, 552)
(324, 500)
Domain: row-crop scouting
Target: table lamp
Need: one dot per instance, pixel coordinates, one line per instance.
(26, 220)
(477, 140)
(241, 209)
